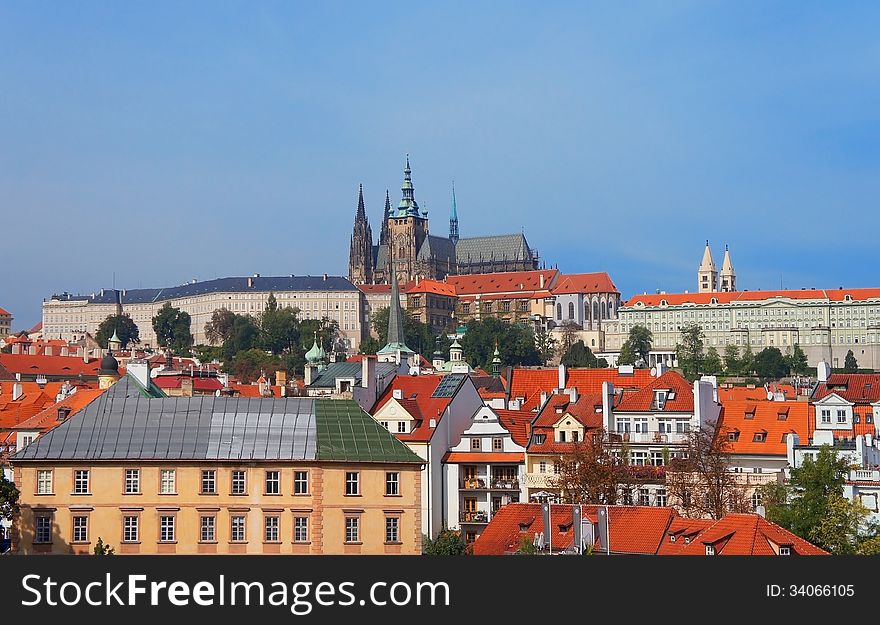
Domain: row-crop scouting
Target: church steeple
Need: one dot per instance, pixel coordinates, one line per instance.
(707, 274)
(383, 233)
(408, 206)
(360, 255)
(453, 219)
(728, 275)
(395, 348)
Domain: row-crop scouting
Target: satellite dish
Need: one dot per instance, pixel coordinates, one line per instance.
(653, 372)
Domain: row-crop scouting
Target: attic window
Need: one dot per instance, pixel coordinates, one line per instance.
(63, 413)
(759, 437)
(687, 540)
(540, 439)
(782, 415)
(785, 551)
(710, 550)
(659, 400)
(559, 410)
(672, 538)
(749, 415)
(733, 436)
(856, 418)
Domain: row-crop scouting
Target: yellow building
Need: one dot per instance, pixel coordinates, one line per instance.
(208, 475)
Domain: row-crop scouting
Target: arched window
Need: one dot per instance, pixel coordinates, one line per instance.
(595, 310)
(587, 316)
(592, 342)
(604, 311)
(571, 310)
(559, 312)
(610, 310)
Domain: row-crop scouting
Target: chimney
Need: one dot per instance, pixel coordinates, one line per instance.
(823, 371)
(761, 511)
(281, 378)
(16, 348)
(573, 394)
(250, 283)
(85, 355)
(368, 372)
(541, 279)
(17, 391)
(186, 387)
(561, 382)
(47, 350)
(308, 374)
(660, 368)
(543, 399)
(139, 369)
(607, 405)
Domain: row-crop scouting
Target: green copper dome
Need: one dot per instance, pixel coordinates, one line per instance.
(315, 354)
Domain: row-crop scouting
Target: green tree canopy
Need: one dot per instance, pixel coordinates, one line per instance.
(689, 350)
(626, 356)
(797, 361)
(747, 363)
(103, 549)
(850, 364)
(516, 343)
(712, 363)
(545, 343)
(279, 328)
(8, 497)
(770, 364)
(126, 330)
(638, 343)
(417, 335)
(579, 355)
(172, 328)
(448, 543)
(248, 365)
(732, 361)
(219, 328)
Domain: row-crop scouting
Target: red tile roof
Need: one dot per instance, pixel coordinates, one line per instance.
(3, 311)
(599, 282)
(643, 400)
(757, 393)
(506, 282)
(766, 419)
(465, 457)
(529, 383)
(675, 299)
(32, 401)
(201, 384)
(56, 366)
(432, 286)
(559, 405)
(417, 400)
(47, 418)
(858, 388)
(517, 423)
(747, 535)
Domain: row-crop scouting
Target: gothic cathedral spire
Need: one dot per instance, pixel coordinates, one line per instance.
(360, 256)
(383, 233)
(453, 219)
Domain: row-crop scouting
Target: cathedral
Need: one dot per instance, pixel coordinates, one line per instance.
(406, 244)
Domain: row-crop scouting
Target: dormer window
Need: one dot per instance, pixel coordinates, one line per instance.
(825, 415)
(733, 436)
(672, 538)
(749, 415)
(785, 551)
(659, 400)
(759, 437)
(540, 439)
(687, 540)
(710, 550)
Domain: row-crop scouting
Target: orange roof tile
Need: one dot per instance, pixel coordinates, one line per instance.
(858, 388)
(432, 286)
(505, 282)
(56, 366)
(47, 418)
(599, 282)
(765, 418)
(528, 383)
(643, 400)
(747, 535)
(374, 288)
(757, 393)
(417, 400)
(676, 299)
(517, 423)
(464, 457)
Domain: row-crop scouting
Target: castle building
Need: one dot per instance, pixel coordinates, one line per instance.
(418, 254)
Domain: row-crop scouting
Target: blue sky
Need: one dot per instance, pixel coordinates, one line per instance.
(169, 141)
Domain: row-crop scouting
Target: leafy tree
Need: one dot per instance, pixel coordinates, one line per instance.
(747, 363)
(639, 343)
(770, 364)
(527, 547)
(840, 530)
(102, 549)
(327, 330)
(244, 335)
(126, 330)
(626, 356)
(732, 361)
(579, 355)
(208, 353)
(279, 328)
(712, 362)
(172, 328)
(8, 498)
(570, 330)
(417, 335)
(448, 543)
(248, 365)
(689, 351)
(850, 364)
(807, 500)
(601, 363)
(591, 473)
(219, 328)
(545, 343)
(369, 346)
(797, 361)
(516, 343)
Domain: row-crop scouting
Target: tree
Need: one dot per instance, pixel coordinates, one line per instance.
(570, 330)
(626, 356)
(840, 530)
(248, 365)
(172, 328)
(770, 364)
(699, 480)
(126, 331)
(747, 364)
(516, 343)
(545, 343)
(327, 330)
(732, 361)
(219, 328)
(527, 547)
(448, 543)
(689, 351)
(797, 361)
(850, 364)
(8, 498)
(243, 335)
(802, 505)
(279, 328)
(712, 363)
(591, 473)
(579, 355)
(102, 549)
(369, 345)
(417, 335)
(639, 343)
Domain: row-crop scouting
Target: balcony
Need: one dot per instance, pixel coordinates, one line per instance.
(539, 480)
(478, 516)
(864, 475)
(651, 437)
(504, 484)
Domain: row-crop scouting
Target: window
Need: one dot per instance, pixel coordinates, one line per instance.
(682, 427)
(841, 416)
(300, 529)
(497, 444)
(571, 310)
(575, 436)
(130, 529)
(81, 482)
(237, 534)
(272, 534)
(132, 481)
(273, 482)
(239, 482)
(80, 529)
(659, 400)
(392, 529)
(43, 533)
(826, 415)
(167, 482)
(477, 444)
(561, 436)
(756, 500)
(26, 439)
(208, 526)
(759, 437)
(300, 482)
(710, 550)
(401, 427)
(44, 482)
(352, 483)
(166, 528)
(660, 499)
(644, 499)
(542, 467)
(392, 483)
(352, 529)
(209, 482)
(785, 551)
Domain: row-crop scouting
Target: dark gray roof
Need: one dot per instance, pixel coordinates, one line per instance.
(502, 246)
(123, 424)
(439, 249)
(381, 253)
(327, 377)
(219, 285)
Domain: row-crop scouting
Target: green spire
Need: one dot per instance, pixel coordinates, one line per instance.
(313, 356)
(408, 207)
(496, 362)
(396, 337)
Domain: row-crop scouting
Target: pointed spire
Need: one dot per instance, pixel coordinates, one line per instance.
(361, 212)
(726, 266)
(408, 206)
(707, 263)
(453, 218)
(396, 338)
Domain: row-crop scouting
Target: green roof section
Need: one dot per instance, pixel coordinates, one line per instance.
(346, 433)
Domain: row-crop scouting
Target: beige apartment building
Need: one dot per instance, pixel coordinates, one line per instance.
(68, 317)
(207, 475)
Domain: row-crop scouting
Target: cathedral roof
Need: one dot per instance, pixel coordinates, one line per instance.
(503, 246)
(439, 249)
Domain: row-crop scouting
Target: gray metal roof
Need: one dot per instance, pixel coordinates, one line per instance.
(503, 246)
(219, 285)
(327, 378)
(436, 248)
(123, 424)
